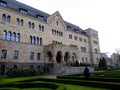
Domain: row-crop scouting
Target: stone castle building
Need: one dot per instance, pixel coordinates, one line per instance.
(30, 38)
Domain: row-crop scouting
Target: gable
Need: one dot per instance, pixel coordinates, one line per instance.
(56, 21)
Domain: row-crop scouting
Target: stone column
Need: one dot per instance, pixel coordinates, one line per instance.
(54, 59)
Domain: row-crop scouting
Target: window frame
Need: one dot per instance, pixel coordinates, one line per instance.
(16, 55)
(4, 54)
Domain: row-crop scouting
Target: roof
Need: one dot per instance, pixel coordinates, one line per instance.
(13, 4)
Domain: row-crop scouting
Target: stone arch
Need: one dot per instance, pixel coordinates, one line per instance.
(49, 56)
(66, 57)
(59, 57)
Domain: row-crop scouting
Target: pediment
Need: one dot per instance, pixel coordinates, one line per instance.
(56, 17)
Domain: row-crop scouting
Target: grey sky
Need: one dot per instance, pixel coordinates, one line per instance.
(101, 15)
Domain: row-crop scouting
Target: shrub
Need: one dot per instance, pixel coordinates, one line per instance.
(15, 72)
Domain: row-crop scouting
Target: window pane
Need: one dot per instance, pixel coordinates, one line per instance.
(17, 21)
(3, 17)
(32, 25)
(40, 41)
(42, 28)
(9, 36)
(4, 54)
(16, 54)
(4, 35)
(29, 24)
(8, 19)
(21, 22)
(17, 37)
(14, 37)
(37, 40)
(3, 4)
(30, 39)
(38, 56)
(32, 56)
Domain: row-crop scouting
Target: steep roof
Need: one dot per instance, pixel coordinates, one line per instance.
(13, 4)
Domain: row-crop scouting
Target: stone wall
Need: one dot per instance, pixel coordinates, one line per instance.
(60, 69)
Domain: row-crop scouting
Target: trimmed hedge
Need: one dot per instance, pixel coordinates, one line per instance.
(15, 72)
(107, 85)
(33, 85)
(103, 79)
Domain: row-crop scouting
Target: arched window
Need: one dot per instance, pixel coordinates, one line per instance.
(3, 17)
(29, 24)
(14, 36)
(40, 41)
(37, 40)
(33, 40)
(4, 35)
(17, 37)
(42, 28)
(33, 26)
(8, 19)
(59, 33)
(17, 21)
(21, 22)
(9, 36)
(55, 32)
(30, 39)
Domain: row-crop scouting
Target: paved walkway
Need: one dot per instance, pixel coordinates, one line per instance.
(49, 76)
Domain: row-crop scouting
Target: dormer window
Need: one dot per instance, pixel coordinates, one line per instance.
(69, 27)
(40, 17)
(23, 11)
(76, 30)
(3, 4)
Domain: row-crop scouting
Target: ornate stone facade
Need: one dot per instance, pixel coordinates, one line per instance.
(32, 38)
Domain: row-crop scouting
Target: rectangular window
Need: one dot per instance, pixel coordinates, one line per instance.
(75, 37)
(69, 28)
(38, 56)
(83, 49)
(70, 36)
(95, 42)
(80, 39)
(32, 56)
(4, 54)
(96, 50)
(3, 4)
(16, 54)
(23, 11)
(85, 40)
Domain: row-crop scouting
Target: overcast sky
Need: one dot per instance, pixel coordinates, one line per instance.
(101, 15)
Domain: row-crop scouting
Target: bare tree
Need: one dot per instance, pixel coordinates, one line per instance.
(117, 50)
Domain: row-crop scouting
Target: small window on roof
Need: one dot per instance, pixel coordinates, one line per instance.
(23, 11)
(69, 27)
(3, 4)
(40, 17)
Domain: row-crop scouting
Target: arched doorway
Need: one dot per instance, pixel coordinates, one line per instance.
(59, 57)
(49, 56)
(66, 57)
